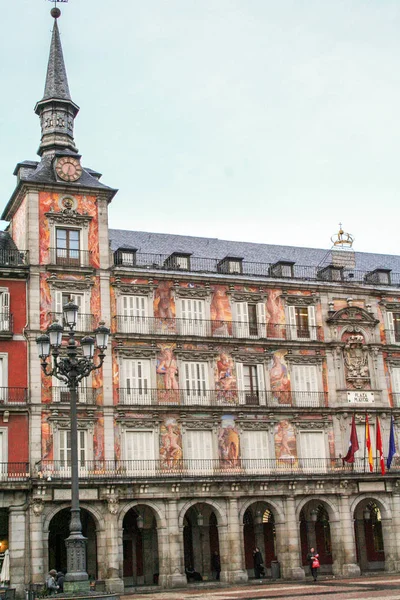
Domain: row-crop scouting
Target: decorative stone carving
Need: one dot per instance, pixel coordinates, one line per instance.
(304, 359)
(68, 216)
(136, 351)
(355, 354)
(391, 306)
(143, 289)
(70, 285)
(129, 423)
(196, 292)
(202, 355)
(197, 424)
(255, 425)
(293, 300)
(254, 297)
(113, 504)
(37, 506)
(353, 314)
(250, 357)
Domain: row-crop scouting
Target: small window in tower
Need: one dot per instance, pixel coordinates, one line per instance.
(68, 247)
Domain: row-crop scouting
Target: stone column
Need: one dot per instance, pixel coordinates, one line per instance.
(396, 530)
(350, 567)
(114, 583)
(337, 558)
(294, 569)
(17, 547)
(389, 544)
(173, 548)
(36, 540)
(235, 559)
(280, 531)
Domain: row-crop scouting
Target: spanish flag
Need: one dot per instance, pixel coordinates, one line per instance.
(368, 444)
(379, 446)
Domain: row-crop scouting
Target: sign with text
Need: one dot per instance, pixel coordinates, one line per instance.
(360, 397)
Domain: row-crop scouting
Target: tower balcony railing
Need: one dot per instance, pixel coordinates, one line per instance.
(208, 467)
(84, 323)
(13, 395)
(215, 328)
(66, 257)
(14, 258)
(199, 264)
(86, 395)
(202, 397)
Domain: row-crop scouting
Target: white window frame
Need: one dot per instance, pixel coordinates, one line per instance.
(193, 396)
(390, 326)
(241, 323)
(203, 465)
(193, 325)
(135, 323)
(143, 395)
(4, 376)
(300, 396)
(252, 460)
(83, 240)
(64, 469)
(145, 465)
(311, 323)
(262, 397)
(81, 324)
(4, 449)
(318, 466)
(395, 381)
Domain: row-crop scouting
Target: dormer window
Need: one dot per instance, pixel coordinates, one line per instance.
(283, 268)
(379, 276)
(231, 265)
(330, 273)
(179, 261)
(125, 257)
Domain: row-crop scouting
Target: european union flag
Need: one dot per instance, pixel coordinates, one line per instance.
(392, 445)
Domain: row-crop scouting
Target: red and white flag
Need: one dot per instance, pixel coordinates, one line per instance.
(353, 444)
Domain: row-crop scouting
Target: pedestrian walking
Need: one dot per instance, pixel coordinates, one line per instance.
(313, 561)
(258, 563)
(51, 585)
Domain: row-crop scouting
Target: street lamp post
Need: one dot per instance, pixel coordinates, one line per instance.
(71, 367)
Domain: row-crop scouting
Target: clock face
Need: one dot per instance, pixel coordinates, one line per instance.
(68, 168)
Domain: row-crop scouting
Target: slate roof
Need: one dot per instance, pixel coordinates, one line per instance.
(56, 80)
(164, 243)
(6, 242)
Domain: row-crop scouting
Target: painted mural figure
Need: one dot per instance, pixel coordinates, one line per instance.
(168, 367)
(228, 443)
(164, 308)
(285, 441)
(171, 443)
(280, 383)
(275, 315)
(225, 381)
(220, 313)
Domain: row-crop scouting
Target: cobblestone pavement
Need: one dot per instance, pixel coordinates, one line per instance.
(387, 588)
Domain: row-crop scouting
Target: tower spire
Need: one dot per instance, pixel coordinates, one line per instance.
(56, 109)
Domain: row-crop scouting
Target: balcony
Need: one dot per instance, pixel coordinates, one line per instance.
(13, 395)
(115, 470)
(6, 324)
(181, 397)
(216, 329)
(85, 395)
(140, 260)
(84, 324)
(14, 258)
(69, 258)
(14, 471)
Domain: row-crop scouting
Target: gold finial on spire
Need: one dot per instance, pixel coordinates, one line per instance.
(342, 239)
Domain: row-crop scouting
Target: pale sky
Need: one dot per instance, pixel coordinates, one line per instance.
(253, 120)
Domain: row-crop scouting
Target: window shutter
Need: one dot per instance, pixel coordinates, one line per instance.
(313, 450)
(262, 320)
(242, 320)
(240, 383)
(292, 322)
(396, 386)
(192, 311)
(305, 384)
(261, 384)
(312, 322)
(390, 325)
(198, 449)
(136, 374)
(196, 382)
(139, 451)
(2, 457)
(59, 305)
(5, 303)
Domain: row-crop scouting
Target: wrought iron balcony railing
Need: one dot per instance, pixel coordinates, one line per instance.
(151, 396)
(208, 467)
(14, 471)
(69, 258)
(85, 395)
(140, 260)
(13, 395)
(214, 328)
(85, 322)
(14, 258)
(6, 323)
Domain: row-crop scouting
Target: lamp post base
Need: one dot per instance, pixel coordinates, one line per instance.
(77, 588)
(76, 579)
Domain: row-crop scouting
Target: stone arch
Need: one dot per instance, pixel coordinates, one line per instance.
(332, 509)
(381, 502)
(221, 514)
(368, 335)
(158, 512)
(94, 512)
(279, 514)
